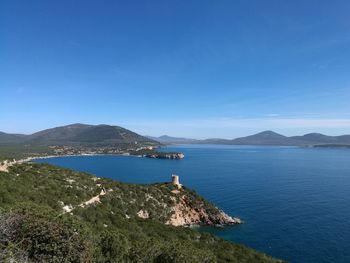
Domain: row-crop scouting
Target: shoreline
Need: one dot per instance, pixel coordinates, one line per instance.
(5, 164)
(191, 219)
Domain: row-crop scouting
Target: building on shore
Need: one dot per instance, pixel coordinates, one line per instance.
(175, 180)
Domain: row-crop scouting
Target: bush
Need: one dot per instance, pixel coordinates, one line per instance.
(113, 247)
(43, 239)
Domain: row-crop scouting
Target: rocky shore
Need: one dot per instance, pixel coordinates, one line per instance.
(186, 213)
(159, 155)
(189, 209)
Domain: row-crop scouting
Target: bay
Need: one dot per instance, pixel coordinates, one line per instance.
(295, 202)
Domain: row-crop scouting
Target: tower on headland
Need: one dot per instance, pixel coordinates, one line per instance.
(176, 181)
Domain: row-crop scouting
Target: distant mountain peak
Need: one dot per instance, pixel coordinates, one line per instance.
(269, 133)
(264, 138)
(75, 125)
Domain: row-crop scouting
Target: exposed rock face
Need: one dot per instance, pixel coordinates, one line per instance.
(6, 164)
(93, 200)
(143, 214)
(185, 213)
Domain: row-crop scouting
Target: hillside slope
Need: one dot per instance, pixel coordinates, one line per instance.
(7, 138)
(82, 134)
(318, 138)
(52, 214)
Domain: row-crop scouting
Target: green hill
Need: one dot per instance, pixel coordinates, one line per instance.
(51, 214)
(73, 139)
(90, 135)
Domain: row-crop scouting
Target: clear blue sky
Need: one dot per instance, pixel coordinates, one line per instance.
(184, 68)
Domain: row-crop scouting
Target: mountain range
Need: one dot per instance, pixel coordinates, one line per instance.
(266, 138)
(107, 135)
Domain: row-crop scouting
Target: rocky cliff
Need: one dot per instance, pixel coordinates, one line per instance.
(186, 212)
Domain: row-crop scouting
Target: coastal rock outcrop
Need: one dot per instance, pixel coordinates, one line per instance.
(160, 155)
(191, 209)
(186, 213)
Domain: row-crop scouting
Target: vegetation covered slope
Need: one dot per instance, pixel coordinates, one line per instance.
(79, 135)
(17, 151)
(10, 138)
(51, 214)
(73, 139)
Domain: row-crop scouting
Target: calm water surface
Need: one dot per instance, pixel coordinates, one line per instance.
(295, 202)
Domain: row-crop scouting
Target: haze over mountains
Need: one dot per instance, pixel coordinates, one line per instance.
(106, 135)
(267, 138)
(168, 139)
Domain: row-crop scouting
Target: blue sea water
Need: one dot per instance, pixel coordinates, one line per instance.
(295, 202)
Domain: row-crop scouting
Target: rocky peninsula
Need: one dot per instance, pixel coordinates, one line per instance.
(60, 214)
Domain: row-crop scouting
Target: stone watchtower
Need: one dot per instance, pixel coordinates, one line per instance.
(175, 181)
